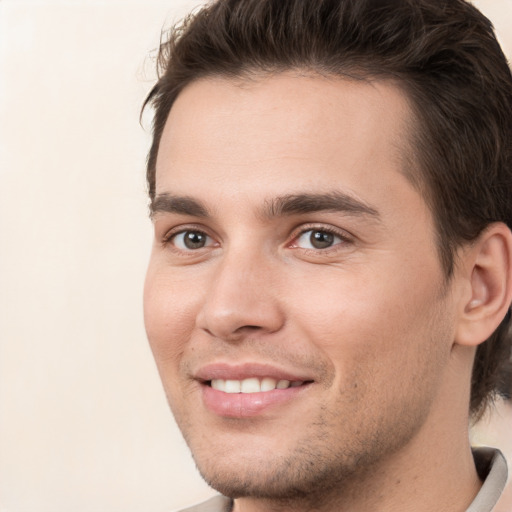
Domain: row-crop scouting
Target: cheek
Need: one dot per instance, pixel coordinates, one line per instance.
(169, 316)
(369, 323)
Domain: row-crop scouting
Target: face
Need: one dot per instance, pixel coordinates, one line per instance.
(295, 302)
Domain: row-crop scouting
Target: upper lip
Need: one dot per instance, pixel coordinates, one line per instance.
(227, 371)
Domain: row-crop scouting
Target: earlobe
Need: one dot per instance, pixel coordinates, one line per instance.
(488, 264)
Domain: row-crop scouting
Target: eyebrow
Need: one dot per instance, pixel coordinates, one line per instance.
(309, 203)
(184, 205)
(291, 204)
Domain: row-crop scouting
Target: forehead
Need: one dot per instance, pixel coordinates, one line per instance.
(285, 129)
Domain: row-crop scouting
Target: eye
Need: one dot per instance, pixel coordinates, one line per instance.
(190, 240)
(317, 239)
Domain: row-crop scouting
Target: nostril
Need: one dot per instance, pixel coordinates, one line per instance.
(247, 328)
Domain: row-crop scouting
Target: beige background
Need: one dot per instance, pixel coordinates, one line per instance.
(83, 421)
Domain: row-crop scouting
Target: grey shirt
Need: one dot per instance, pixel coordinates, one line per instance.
(490, 465)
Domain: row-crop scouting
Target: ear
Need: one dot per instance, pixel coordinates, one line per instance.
(488, 273)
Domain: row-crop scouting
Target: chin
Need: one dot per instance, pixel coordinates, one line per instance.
(268, 481)
(306, 471)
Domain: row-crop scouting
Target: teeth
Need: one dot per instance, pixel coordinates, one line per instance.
(253, 385)
(219, 384)
(232, 386)
(250, 386)
(268, 384)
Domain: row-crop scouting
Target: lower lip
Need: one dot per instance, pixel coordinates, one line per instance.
(246, 405)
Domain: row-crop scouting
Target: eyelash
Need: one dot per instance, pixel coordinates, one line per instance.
(173, 233)
(343, 236)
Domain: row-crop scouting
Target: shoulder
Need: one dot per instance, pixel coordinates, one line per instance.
(215, 504)
(492, 470)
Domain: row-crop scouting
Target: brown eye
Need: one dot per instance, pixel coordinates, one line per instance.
(321, 239)
(191, 240)
(317, 239)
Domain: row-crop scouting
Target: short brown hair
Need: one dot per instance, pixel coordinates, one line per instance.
(442, 53)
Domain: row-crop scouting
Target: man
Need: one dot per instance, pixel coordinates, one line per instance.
(328, 296)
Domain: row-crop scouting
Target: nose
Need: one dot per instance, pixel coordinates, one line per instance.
(241, 299)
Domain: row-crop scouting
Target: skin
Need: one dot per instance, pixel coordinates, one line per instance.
(370, 319)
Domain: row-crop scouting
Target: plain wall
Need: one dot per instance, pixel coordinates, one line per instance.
(84, 425)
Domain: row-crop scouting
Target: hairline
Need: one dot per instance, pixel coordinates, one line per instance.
(409, 154)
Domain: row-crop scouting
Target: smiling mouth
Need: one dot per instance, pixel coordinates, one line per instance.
(253, 385)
